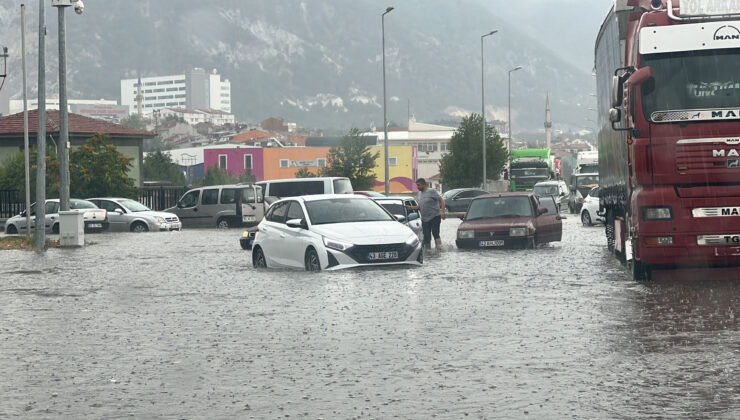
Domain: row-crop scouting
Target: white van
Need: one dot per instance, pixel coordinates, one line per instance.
(282, 188)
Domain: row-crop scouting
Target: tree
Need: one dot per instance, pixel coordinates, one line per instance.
(304, 173)
(12, 173)
(463, 166)
(134, 121)
(158, 166)
(353, 160)
(216, 176)
(97, 169)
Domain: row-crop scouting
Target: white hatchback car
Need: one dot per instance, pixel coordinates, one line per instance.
(329, 232)
(590, 209)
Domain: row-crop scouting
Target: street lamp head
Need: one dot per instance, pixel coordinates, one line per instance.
(388, 9)
(516, 68)
(79, 7)
(492, 32)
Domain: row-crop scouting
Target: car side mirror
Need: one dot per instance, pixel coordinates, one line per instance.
(297, 223)
(401, 218)
(118, 211)
(541, 211)
(412, 216)
(461, 216)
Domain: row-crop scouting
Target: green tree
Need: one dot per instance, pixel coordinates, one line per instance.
(304, 173)
(12, 173)
(353, 160)
(247, 177)
(134, 121)
(216, 176)
(158, 166)
(463, 165)
(97, 169)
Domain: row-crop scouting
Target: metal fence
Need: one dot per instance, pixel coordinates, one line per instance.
(155, 197)
(160, 197)
(11, 203)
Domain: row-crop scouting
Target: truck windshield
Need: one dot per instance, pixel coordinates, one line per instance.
(692, 80)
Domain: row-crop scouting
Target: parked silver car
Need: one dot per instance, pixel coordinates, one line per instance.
(396, 206)
(127, 215)
(95, 219)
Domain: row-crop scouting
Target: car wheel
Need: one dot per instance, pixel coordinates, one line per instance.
(139, 227)
(258, 258)
(312, 261)
(11, 230)
(55, 229)
(223, 223)
(586, 218)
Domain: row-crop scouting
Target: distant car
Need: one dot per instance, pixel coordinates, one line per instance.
(369, 193)
(458, 200)
(581, 184)
(247, 239)
(329, 232)
(557, 189)
(127, 215)
(510, 220)
(590, 209)
(95, 219)
(396, 206)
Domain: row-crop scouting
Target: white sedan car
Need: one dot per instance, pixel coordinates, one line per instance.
(127, 215)
(329, 232)
(590, 209)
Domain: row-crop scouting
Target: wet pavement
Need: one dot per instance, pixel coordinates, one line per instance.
(179, 325)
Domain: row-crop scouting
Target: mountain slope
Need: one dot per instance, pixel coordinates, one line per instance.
(318, 63)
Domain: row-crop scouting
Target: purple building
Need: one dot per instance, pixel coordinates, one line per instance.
(236, 160)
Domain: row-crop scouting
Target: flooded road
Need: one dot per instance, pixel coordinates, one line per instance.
(179, 325)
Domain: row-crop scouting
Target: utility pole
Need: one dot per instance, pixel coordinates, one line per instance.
(40, 242)
(385, 113)
(63, 116)
(26, 152)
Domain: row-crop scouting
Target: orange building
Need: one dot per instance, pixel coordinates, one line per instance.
(284, 162)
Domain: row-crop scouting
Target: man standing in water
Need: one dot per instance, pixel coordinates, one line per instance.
(432, 210)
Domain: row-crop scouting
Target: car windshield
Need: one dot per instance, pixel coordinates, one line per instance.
(587, 180)
(345, 210)
(546, 190)
(133, 206)
(81, 204)
(486, 208)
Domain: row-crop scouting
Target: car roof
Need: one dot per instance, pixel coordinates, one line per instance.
(506, 194)
(395, 197)
(549, 183)
(317, 197)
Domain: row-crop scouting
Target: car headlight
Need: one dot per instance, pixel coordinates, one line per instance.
(465, 234)
(337, 244)
(657, 213)
(413, 240)
(160, 219)
(520, 231)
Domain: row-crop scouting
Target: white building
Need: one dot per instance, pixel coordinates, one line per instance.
(195, 89)
(16, 105)
(195, 116)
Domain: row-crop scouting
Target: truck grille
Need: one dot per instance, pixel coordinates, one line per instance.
(704, 156)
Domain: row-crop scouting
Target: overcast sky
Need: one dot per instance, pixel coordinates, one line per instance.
(568, 27)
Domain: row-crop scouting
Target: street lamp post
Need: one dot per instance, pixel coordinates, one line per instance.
(385, 113)
(63, 113)
(40, 241)
(508, 143)
(483, 105)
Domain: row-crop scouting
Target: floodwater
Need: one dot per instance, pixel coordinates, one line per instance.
(179, 325)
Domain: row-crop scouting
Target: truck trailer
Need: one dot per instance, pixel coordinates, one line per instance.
(668, 97)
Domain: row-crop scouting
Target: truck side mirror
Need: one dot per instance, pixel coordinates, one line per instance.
(617, 92)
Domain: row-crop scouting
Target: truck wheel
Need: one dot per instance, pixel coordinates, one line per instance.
(640, 270)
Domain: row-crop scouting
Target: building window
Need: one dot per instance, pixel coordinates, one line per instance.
(284, 163)
(248, 162)
(392, 161)
(321, 162)
(150, 84)
(443, 147)
(166, 82)
(222, 161)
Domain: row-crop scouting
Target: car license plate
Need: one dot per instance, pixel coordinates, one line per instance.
(483, 244)
(250, 218)
(95, 225)
(378, 256)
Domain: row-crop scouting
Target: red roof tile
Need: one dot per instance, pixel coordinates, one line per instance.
(78, 124)
(251, 135)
